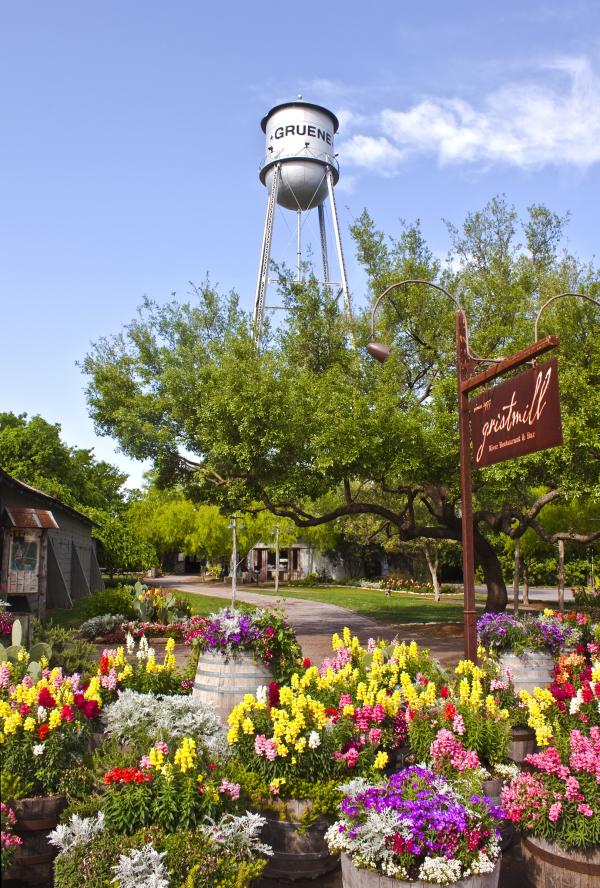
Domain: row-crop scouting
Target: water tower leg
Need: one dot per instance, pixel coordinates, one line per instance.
(323, 244)
(265, 258)
(342, 264)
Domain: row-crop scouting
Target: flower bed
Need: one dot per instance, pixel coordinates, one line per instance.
(503, 632)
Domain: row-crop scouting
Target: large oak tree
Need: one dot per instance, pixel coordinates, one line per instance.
(313, 430)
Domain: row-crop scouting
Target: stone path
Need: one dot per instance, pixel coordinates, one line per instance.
(315, 621)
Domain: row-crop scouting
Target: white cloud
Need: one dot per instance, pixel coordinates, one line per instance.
(373, 151)
(522, 124)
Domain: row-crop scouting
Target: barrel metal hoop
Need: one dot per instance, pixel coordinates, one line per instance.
(585, 868)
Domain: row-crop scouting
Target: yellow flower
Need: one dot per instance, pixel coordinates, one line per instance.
(248, 726)
(29, 724)
(54, 719)
(381, 760)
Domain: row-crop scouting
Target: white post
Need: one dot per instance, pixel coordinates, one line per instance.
(234, 559)
(561, 575)
(276, 559)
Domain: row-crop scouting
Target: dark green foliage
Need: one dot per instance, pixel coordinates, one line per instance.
(69, 652)
(111, 601)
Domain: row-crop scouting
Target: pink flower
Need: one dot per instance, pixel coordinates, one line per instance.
(555, 812)
(585, 810)
(230, 789)
(458, 724)
(375, 735)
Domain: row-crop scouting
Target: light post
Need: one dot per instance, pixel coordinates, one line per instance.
(276, 558)
(234, 527)
(467, 381)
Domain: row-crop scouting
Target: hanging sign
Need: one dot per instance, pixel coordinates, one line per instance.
(519, 416)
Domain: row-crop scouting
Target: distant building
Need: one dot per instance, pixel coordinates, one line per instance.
(47, 552)
(296, 562)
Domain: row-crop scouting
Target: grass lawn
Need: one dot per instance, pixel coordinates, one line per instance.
(370, 603)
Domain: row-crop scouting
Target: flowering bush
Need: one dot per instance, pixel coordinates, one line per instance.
(128, 667)
(9, 842)
(264, 633)
(172, 786)
(414, 587)
(45, 725)
(503, 633)
(416, 825)
(473, 716)
(560, 799)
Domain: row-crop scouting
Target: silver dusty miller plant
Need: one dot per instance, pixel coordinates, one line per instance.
(78, 831)
(239, 836)
(141, 868)
(162, 717)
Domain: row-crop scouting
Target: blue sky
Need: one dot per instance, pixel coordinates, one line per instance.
(131, 143)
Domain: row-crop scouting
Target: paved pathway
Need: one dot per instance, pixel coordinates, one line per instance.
(315, 621)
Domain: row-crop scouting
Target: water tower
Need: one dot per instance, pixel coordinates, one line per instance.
(300, 171)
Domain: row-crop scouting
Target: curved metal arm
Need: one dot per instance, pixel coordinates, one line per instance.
(401, 284)
(476, 358)
(560, 296)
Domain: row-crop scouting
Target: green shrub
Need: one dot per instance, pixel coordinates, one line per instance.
(111, 601)
(71, 653)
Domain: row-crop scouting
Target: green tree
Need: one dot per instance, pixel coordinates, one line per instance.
(316, 432)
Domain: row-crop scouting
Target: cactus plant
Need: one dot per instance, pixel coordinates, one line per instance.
(14, 653)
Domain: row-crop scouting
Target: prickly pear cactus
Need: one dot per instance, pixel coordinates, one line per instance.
(17, 633)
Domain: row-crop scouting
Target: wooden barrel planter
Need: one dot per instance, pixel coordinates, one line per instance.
(352, 877)
(298, 852)
(223, 684)
(522, 743)
(37, 817)
(529, 670)
(551, 865)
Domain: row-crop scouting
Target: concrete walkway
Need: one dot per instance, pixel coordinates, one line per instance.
(315, 622)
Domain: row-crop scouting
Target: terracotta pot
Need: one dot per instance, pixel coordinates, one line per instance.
(35, 819)
(299, 852)
(547, 864)
(352, 877)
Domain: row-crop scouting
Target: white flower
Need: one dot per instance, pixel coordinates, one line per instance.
(262, 693)
(440, 870)
(314, 740)
(130, 643)
(41, 713)
(38, 749)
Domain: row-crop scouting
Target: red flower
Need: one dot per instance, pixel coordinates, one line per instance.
(273, 694)
(103, 667)
(43, 732)
(423, 680)
(67, 714)
(46, 699)
(444, 692)
(449, 711)
(411, 713)
(587, 694)
(580, 649)
(90, 709)
(79, 700)
(306, 662)
(332, 713)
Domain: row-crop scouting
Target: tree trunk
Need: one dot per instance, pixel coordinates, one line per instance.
(497, 599)
(561, 575)
(517, 575)
(432, 564)
(526, 586)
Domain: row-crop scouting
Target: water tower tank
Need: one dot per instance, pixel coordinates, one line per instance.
(299, 136)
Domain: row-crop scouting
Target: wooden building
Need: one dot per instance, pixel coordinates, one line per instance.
(47, 552)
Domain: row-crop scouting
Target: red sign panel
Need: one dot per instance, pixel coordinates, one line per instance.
(518, 416)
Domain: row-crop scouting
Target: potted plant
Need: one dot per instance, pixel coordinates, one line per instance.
(415, 826)
(556, 804)
(527, 645)
(240, 649)
(45, 728)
